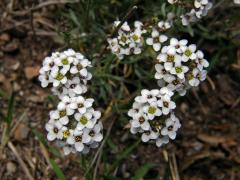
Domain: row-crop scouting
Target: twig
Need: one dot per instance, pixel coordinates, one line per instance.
(21, 162)
(211, 83)
(41, 5)
(129, 14)
(96, 167)
(14, 26)
(101, 146)
(173, 167)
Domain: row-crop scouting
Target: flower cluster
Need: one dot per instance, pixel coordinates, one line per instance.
(152, 116)
(201, 8)
(67, 72)
(74, 125)
(128, 41)
(180, 66)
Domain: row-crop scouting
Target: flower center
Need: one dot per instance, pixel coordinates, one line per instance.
(78, 138)
(80, 105)
(170, 128)
(62, 113)
(170, 58)
(190, 76)
(156, 126)
(175, 82)
(65, 61)
(164, 71)
(149, 96)
(51, 64)
(59, 76)
(152, 110)
(79, 66)
(156, 40)
(188, 53)
(66, 133)
(165, 104)
(141, 120)
(72, 86)
(91, 133)
(83, 120)
(124, 39)
(55, 130)
(178, 69)
(135, 37)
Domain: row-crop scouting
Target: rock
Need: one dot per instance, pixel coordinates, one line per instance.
(15, 66)
(11, 167)
(2, 78)
(31, 72)
(21, 132)
(4, 38)
(11, 47)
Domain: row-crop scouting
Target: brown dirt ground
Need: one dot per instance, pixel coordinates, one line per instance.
(207, 146)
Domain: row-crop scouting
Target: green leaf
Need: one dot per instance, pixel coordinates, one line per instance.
(142, 171)
(57, 170)
(124, 154)
(9, 116)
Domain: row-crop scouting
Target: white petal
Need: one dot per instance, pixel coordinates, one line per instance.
(79, 147)
(156, 46)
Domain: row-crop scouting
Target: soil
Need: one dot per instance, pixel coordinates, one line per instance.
(207, 146)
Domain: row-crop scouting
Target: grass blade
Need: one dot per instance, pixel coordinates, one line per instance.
(9, 116)
(142, 171)
(124, 155)
(57, 170)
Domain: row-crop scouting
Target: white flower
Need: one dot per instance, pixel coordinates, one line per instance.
(74, 87)
(84, 120)
(152, 110)
(113, 45)
(166, 104)
(156, 40)
(44, 78)
(149, 135)
(189, 52)
(76, 139)
(134, 130)
(80, 66)
(236, 1)
(67, 149)
(179, 69)
(124, 27)
(147, 96)
(172, 125)
(54, 129)
(161, 71)
(94, 134)
(134, 49)
(193, 77)
(168, 56)
(136, 110)
(162, 140)
(164, 91)
(164, 25)
(81, 104)
(172, 1)
(62, 112)
(141, 121)
(59, 76)
(200, 61)
(178, 44)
